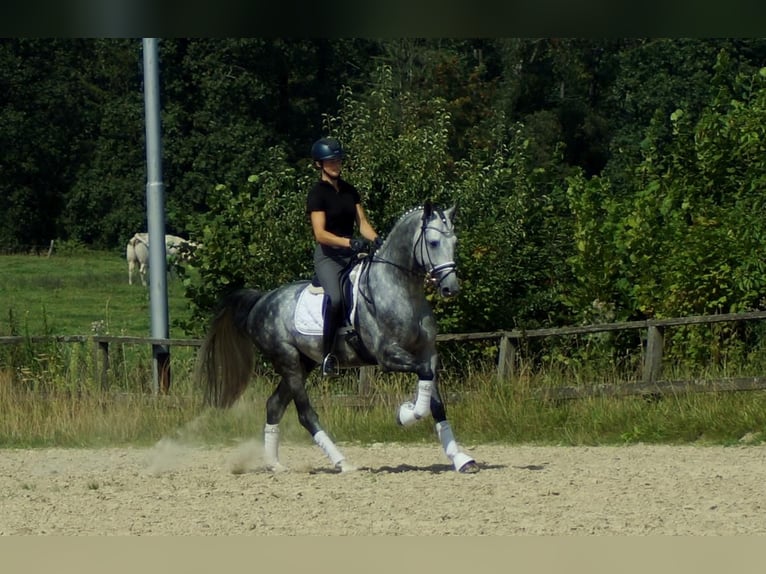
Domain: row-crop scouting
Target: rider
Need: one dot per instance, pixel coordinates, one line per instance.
(334, 205)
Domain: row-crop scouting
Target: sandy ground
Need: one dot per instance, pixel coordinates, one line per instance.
(177, 489)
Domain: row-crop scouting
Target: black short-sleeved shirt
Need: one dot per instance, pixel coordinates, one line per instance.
(339, 206)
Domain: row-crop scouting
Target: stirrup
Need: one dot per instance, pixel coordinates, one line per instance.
(330, 366)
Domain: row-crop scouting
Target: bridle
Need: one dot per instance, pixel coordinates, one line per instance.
(421, 255)
(434, 274)
(423, 266)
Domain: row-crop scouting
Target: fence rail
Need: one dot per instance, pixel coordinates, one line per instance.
(509, 340)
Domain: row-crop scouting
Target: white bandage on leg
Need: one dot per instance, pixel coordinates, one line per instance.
(458, 458)
(410, 412)
(271, 445)
(444, 430)
(325, 443)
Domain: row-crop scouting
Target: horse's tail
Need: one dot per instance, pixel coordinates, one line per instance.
(225, 360)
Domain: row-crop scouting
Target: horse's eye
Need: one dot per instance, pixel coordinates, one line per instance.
(433, 244)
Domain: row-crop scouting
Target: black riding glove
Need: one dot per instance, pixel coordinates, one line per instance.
(377, 243)
(358, 244)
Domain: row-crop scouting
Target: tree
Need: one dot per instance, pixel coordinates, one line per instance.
(43, 135)
(688, 238)
(106, 204)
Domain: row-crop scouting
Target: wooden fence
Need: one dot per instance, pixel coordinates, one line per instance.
(651, 382)
(509, 341)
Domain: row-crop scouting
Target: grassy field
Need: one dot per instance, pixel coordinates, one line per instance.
(50, 394)
(79, 294)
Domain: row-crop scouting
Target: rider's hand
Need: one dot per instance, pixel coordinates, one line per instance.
(377, 243)
(357, 244)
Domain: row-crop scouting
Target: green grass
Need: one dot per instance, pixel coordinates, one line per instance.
(50, 394)
(79, 294)
(488, 413)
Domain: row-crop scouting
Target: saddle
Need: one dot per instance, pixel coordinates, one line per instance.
(309, 309)
(346, 289)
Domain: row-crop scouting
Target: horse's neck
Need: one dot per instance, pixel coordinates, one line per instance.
(395, 270)
(392, 278)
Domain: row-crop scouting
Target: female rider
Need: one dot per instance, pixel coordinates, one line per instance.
(334, 206)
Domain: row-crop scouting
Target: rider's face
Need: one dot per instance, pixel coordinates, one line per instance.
(332, 167)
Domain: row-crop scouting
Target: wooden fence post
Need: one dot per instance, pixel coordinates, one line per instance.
(653, 357)
(506, 359)
(104, 348)
(162, 361)
(365, 380)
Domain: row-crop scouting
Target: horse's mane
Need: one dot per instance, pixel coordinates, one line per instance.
(407, 214)
(410, 212)
(402, 217)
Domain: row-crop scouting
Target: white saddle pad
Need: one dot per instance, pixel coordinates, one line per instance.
(308, 311)
(308, 317)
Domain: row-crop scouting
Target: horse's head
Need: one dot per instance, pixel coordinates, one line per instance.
(435, 249)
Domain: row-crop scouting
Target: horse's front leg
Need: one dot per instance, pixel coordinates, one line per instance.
(460, 460)
(428, 399)
(411, 412)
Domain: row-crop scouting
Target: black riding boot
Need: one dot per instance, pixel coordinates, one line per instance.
(330, 361)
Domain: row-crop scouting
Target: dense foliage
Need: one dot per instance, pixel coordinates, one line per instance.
(595, 179)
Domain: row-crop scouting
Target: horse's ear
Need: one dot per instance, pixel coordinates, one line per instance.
(428, 210)
(451, 212)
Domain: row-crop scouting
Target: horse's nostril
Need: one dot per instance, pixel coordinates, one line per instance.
(447, 292)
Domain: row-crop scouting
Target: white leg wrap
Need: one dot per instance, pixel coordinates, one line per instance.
(451, 449)
(410, 412)
(271, 445)
(325, 443)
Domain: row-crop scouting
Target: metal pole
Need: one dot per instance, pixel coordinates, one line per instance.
(155, 210)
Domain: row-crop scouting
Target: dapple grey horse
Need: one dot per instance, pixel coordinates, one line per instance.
(392, 319)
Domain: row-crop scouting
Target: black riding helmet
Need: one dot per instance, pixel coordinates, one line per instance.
(326, 148)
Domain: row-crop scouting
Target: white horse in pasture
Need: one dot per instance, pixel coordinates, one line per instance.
(137, 253)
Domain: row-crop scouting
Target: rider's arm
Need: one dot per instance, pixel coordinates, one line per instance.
(323, 236)
(365, 228)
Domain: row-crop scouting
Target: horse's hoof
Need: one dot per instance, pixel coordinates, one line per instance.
(463, 462)
(277, 468)
(405, 414)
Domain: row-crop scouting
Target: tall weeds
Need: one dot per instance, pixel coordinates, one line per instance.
(57, 399)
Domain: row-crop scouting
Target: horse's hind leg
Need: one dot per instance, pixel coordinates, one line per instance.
(292, 388)
(310, 421)
(275, 409)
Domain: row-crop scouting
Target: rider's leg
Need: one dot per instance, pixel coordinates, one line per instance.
(328, 265)
(332, 313)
